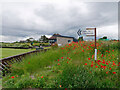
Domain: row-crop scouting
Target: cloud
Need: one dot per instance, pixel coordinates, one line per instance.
(35, 19)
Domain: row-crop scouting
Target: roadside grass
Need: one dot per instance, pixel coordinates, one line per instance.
(6, 52)
(71, 66)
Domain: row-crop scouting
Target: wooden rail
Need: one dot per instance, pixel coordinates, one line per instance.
(6, 62)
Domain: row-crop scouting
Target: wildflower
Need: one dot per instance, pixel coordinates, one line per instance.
(85, 63)
(60, 86)
(65, 88)
(58, 59)
(67, 61)
(88, 58)
(10, 65)
(28, 62)
(42, 77)
(114, 72)
(113, 50)
(16, 75)
(102, 55)
(58, 64)
(67, 57)
(91, 65)
(114, 64)
(99, 61)
(104, 67)
(106, 63)
(92, 56)
(110, 68)
(61, 57)
(83, 50)
(106, 72)
(12, 77)
(103, 62)
(96, 66)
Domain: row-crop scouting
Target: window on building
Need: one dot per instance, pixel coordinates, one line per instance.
(69, 41)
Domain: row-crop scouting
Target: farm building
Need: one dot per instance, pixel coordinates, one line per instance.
(61, 40)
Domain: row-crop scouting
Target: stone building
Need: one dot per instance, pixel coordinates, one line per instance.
(61, 40)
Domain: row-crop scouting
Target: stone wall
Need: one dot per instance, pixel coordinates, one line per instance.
(63, 40)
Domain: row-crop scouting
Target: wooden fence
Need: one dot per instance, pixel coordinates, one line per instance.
(6, 62)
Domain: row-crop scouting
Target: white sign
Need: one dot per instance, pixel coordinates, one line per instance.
(89, 32)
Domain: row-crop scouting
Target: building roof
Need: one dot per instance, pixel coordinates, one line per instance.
(58, 35)
(54, 36)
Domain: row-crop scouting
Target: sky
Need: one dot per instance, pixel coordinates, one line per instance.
(21, 20)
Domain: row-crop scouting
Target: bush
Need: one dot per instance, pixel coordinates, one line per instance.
(54, 46)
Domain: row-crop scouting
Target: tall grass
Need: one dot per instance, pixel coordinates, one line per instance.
(71, 66)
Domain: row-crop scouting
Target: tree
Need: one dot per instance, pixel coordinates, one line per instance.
(28, 40)
(43, 39)
(105, 37)
(80, 38)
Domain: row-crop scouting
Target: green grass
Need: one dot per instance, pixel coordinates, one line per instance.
(65, 67)
(6, 52)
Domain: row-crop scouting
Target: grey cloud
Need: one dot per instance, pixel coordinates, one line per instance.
(52, 18)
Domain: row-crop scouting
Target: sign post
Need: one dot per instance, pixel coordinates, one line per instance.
(89, 32)
(95, 47)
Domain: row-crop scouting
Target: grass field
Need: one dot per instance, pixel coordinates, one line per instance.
(71, 66)
(6, 52)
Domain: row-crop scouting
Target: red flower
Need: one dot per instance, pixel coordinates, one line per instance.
(114, 72)
(61, 57)
(88, 58)
(113, 50)
(12, 77)
(91, 65)
(58, 64)
(103, 62)
(69, 59)
(104, 67)
(92, 56)
(28, 62)
(67, 62)
(83, 50)
(96, 66)
(110, 68)
(106, 63)
(85, 63)
(58, 59)
(106, 72)
(102, 55)
(99, 61)
(42, 77)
